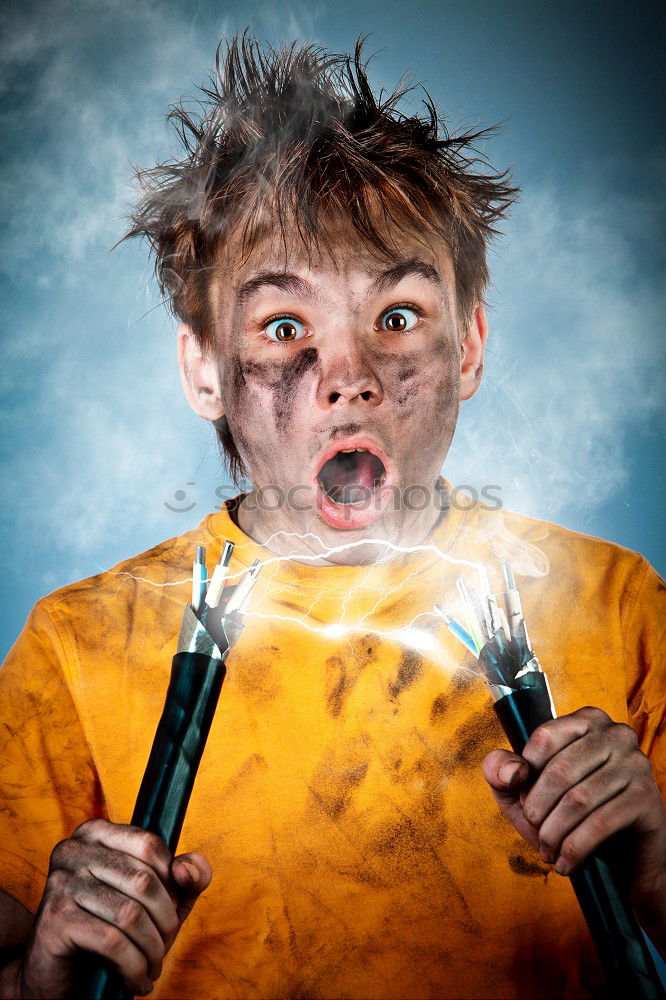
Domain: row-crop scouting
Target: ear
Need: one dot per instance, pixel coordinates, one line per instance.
(473, 349)
(199, 375)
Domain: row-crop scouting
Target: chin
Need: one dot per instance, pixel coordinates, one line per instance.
(355, 544)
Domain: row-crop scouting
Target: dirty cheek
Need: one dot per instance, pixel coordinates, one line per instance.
(253, 387)
(430, 382)
(447, 393)
(442, 376)
(287, 381)
(247, 384)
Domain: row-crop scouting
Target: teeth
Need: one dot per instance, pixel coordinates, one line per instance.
(348, 451)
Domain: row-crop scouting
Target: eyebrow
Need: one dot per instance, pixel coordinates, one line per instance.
(295, 285)
(283, 280)
(403, 268)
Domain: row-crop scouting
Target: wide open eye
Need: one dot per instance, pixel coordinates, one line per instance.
(399, 319)
(284, 329)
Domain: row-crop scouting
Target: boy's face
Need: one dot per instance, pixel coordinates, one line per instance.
(341, 383)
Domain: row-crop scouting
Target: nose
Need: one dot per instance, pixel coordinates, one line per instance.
(348, 377)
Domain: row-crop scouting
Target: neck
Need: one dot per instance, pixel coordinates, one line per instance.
(304, 537)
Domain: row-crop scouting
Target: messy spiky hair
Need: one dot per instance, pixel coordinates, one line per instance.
(288, 139)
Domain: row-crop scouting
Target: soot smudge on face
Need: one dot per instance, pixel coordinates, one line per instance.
(406, 396)
(345, 430)
(242, 372)
(413, 376)
(285, 386)
(395, 368)
(279, 378)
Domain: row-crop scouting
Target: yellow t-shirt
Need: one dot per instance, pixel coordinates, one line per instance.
(356, 847)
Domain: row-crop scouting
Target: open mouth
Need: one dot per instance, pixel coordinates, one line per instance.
(351, 476)
(353, 483)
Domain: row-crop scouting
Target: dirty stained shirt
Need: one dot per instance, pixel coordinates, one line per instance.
(356, 848)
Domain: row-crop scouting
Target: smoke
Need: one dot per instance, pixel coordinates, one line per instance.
(575, 356)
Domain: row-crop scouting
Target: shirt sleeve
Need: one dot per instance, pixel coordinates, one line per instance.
(644, 628)
(48, 781)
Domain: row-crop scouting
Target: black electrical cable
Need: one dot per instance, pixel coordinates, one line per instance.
(523, 703)
(194, 689)
(197, 675)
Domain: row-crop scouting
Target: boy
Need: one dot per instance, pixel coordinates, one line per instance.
(326, 256)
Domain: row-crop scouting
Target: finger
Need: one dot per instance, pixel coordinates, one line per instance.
(192, 874)
(65, 928)
(566, 770)
(551, 737)
(139, 882)
(140, 844)
(110, 942)
(120, 871)
(127, 914)
(576, 805)
(506, 773)
(619, 813)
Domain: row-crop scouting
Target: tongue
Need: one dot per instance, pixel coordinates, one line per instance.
(363, 471)
(352, 477)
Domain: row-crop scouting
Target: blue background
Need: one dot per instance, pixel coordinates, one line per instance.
(97, 438)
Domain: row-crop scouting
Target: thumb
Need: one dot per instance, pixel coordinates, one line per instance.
(506, 773)
(191, 874)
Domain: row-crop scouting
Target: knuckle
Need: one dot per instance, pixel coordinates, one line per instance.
(577, 799)
(91, 828)
(626, 736)
(639, 773)
(113, 940)
(58, 883)
(130, 914)
(143, 881)
(531, 812)
(542, 738)
(57, 903)
(153, 849)
(60, 854)
(559, 771)
(595, 717)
